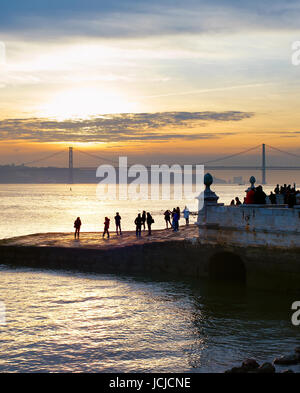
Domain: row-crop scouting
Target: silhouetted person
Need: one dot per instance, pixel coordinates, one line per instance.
(186, 215)
(272, 198)
(144, 217)
(250, 196)
(77, 225)
(283, 189)
(291, 199)
(167, 215)
(106, 227)
(138, 222)
(178, 212)
(259, 196)
(118, 223)
(175, 222)
(150, 221)
(277, 189)
(237, 201)
(232, 203)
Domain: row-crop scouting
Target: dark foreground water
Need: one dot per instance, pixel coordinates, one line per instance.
(63, 322)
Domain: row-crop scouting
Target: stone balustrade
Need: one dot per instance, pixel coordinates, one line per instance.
(243, 225)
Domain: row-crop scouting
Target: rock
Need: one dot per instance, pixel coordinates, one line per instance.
(236, 370)
(288, 371)
(289, 359)
(266, 368)
(250, 364)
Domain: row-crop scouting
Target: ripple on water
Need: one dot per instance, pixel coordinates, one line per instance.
(82, 322)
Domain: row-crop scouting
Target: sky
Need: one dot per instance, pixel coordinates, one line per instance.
(160, 81)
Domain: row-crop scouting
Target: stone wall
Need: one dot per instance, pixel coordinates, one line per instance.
(265, 267)
(174, 258)
(250, 225)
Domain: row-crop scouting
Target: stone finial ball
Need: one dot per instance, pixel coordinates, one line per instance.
(252, 180)
(208, 179)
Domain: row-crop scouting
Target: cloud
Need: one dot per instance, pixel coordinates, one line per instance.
(136, 18)
(126, 127)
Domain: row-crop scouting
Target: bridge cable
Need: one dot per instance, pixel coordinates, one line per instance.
(98, 157)
(232, 155)
(45, 158)
(283, 151)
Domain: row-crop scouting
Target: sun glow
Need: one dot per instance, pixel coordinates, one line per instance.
(83, 103)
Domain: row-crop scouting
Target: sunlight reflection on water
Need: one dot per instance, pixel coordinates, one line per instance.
(36, 208)
(78, 322)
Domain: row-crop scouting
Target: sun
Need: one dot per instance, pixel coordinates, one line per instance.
(84, 103)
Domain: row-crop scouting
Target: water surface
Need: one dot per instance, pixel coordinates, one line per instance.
(67, 322)
(63, 321)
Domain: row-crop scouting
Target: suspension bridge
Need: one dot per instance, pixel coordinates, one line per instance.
(209, 165)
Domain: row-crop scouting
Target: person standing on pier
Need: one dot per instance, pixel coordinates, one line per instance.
(186, 215)
(138, 222)
(118, 223)
(144, 219)
(150, 221)
(175, 222)
(106, 227)
(167, 215)
(178, 212)
(77, 225)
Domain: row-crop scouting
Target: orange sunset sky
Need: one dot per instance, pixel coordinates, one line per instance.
(170, 82)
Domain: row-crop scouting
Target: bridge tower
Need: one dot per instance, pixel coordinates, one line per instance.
(263, 164)
(70, 165)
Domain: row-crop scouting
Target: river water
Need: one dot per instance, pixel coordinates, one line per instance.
(63, 321)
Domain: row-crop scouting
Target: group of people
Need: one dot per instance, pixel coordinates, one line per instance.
(285, 194)
(175, 215)
(289, 195)
(142, 219)
(255, 196)
(78, 223)
(235, 202)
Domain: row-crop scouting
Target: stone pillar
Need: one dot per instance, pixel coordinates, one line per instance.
(252, 181)
(206, 199)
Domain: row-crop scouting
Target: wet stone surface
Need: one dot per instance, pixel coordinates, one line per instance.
(95, 240)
